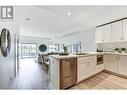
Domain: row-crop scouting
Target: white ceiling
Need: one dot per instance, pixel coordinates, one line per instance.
(50, 21)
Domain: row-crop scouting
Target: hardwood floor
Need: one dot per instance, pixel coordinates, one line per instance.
(102, 81)
(31, 76)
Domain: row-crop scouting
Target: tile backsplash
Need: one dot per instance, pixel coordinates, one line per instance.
(111, 46)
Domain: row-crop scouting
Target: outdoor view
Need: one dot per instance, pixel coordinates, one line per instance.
(28, 50)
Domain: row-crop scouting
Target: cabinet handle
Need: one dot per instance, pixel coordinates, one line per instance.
(69, 76)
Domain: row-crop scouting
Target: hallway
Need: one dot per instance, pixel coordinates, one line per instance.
(31, 76)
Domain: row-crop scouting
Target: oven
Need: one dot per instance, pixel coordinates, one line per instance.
(99, 59)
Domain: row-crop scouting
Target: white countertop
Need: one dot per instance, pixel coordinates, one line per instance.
(115, 53)
(89, 54)
(72, 55)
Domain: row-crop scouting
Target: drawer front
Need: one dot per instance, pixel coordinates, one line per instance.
(68, 67)
(68, 72)
(83, 58)
(80, 59)
(67, 82)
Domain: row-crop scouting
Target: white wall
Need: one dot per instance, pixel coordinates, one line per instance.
(87, 39)
(7, 64)
(36, 40)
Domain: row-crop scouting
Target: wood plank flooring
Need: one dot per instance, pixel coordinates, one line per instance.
(102, 81)
(30, 76)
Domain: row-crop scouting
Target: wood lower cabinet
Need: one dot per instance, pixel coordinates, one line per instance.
(68, 72)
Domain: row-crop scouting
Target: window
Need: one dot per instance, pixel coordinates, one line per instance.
(76, 48)
(50, 48)
(54, 48)
(28, 50)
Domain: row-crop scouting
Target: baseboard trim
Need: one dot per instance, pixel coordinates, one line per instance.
(117, 74)
(89, 77)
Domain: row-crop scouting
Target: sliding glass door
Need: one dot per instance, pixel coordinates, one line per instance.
(28, 50)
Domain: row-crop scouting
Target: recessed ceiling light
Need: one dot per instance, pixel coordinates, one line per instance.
(69, 13)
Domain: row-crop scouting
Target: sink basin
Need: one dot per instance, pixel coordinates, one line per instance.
(81, 53)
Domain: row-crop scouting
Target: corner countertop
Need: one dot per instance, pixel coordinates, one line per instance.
(89, 54)
(72, 55)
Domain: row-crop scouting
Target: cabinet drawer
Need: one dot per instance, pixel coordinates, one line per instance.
(68, 72)
(68, 81)
(80, 59)
(68, 67)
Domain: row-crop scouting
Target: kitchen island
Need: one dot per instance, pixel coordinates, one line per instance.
(84, 67)
(65, 71)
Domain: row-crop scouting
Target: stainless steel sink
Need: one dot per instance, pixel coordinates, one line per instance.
(81, 53)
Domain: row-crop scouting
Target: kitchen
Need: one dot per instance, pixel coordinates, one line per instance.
(110, 57)
(75, 47)
(63, 47)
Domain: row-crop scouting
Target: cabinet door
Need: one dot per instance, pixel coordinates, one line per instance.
(124, 38)
(68, 67)
(117, 31)
(53, 73)
(91, 68)
(99, 68)
(110, 62)
(68, 72)
(98, 35)
(122, 65)
(86, 67)
(82, 70)
(107, 61)
(106, 33)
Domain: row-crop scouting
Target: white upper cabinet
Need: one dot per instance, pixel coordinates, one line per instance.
(124, 38)
(103, 34)
(98, 35)
(106, 34)
(117, 31)
(114, 32)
